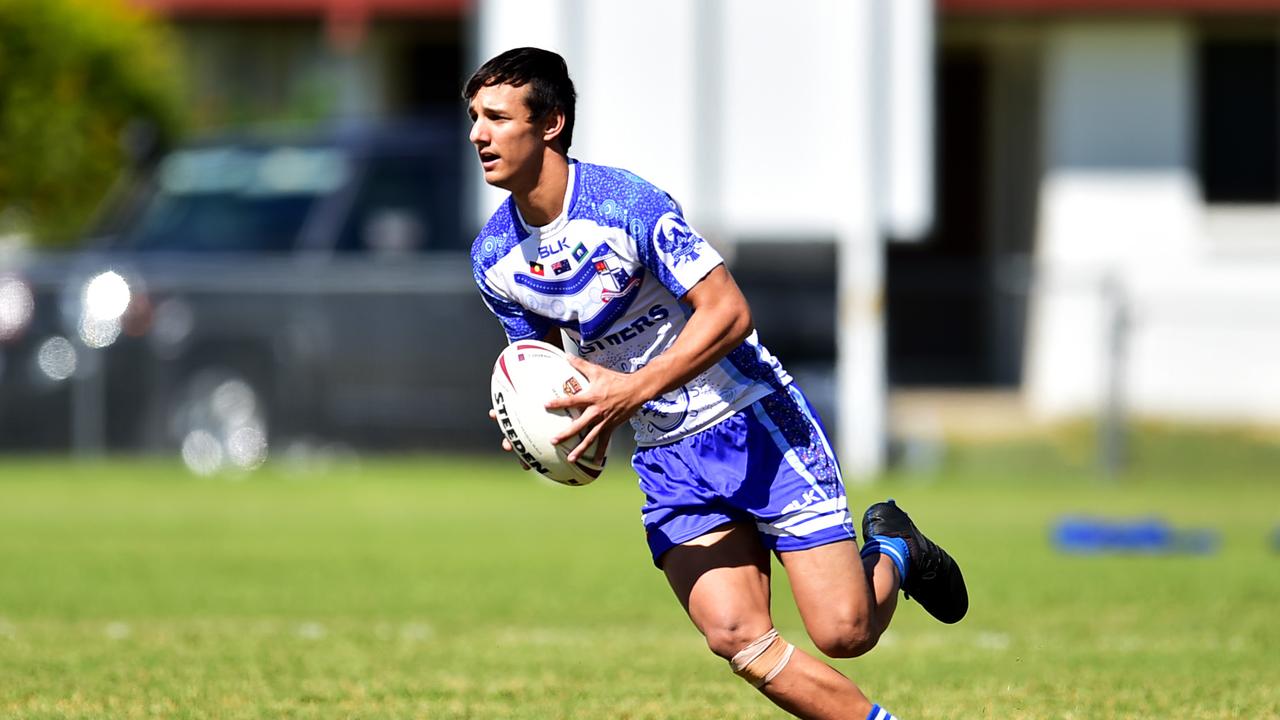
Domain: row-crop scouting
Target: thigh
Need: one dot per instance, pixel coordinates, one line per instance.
(722, 580)
(797, 496)
(830, 587)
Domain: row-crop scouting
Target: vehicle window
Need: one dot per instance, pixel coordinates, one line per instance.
(235, 199)
(402, 206)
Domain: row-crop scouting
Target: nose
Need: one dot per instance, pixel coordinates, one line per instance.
(479, 133)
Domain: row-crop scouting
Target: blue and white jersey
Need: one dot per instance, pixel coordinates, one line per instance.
(610, 271)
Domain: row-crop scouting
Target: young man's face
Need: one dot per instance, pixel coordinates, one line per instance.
(509, 142)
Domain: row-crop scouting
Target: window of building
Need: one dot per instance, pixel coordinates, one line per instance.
(1239, 113)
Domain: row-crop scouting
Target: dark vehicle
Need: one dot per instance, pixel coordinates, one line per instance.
(250, 291)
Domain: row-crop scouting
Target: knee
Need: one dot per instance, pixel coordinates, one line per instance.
(847, 638)
(729, 638)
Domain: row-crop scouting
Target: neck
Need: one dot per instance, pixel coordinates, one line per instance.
(542, 200)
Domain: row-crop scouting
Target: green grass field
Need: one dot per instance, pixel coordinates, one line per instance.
(462, 588)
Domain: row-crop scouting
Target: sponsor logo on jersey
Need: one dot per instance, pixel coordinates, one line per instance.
(546, 251)
(635, 329)
(560, 267)
(536, 268)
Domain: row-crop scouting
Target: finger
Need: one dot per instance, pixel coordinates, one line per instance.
(579, 364)
(590, 437)
(581, 399)
(493, 415)
(599, 433)
(602, 445)
(576, 427)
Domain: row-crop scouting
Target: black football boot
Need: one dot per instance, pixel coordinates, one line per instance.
(933, 577)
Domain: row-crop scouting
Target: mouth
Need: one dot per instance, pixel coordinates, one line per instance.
(488, 160)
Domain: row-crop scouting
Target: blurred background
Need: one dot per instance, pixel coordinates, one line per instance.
(234, 230)
(1024, 256)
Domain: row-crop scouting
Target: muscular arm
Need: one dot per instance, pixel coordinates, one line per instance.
(721, 320)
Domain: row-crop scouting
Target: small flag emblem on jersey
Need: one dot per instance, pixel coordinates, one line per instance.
(579, 252)
(601, 266)
(560, 267)
(536, 268)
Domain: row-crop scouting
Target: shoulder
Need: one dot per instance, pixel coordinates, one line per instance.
(499, 234)
(618, 194)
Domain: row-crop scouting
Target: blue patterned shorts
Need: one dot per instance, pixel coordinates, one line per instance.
(769, 464)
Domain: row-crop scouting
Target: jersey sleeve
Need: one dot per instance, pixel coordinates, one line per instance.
(674, 252)
(517, 322)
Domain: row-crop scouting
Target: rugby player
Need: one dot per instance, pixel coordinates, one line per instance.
(732, 459)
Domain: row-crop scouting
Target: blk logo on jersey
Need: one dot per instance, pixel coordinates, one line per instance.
(546, 251)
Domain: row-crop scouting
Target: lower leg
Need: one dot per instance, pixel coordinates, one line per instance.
(798, 682)
(882, 576)
(846, 602)
(809, 688)
(722, 581)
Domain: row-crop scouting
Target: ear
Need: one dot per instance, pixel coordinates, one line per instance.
(552, 126)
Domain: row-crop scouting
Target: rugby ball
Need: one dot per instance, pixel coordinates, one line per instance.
(526, 375)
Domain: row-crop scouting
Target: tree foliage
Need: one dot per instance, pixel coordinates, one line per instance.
(74, 75)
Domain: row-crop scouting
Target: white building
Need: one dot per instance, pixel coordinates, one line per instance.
(1089, 156)
(1093, 157)
(758, 116)
(1130, 151)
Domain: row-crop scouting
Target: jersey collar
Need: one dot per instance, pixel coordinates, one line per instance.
(566, 208)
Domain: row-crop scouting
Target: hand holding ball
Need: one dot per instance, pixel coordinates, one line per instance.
(527, 374)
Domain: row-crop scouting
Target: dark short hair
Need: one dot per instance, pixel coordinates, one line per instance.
(545, 73)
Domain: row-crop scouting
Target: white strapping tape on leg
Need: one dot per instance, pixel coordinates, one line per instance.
(763, 659)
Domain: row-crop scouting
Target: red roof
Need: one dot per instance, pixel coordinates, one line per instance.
(305, 8)
(345, 21)
(457, 8)
(1110, 7)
